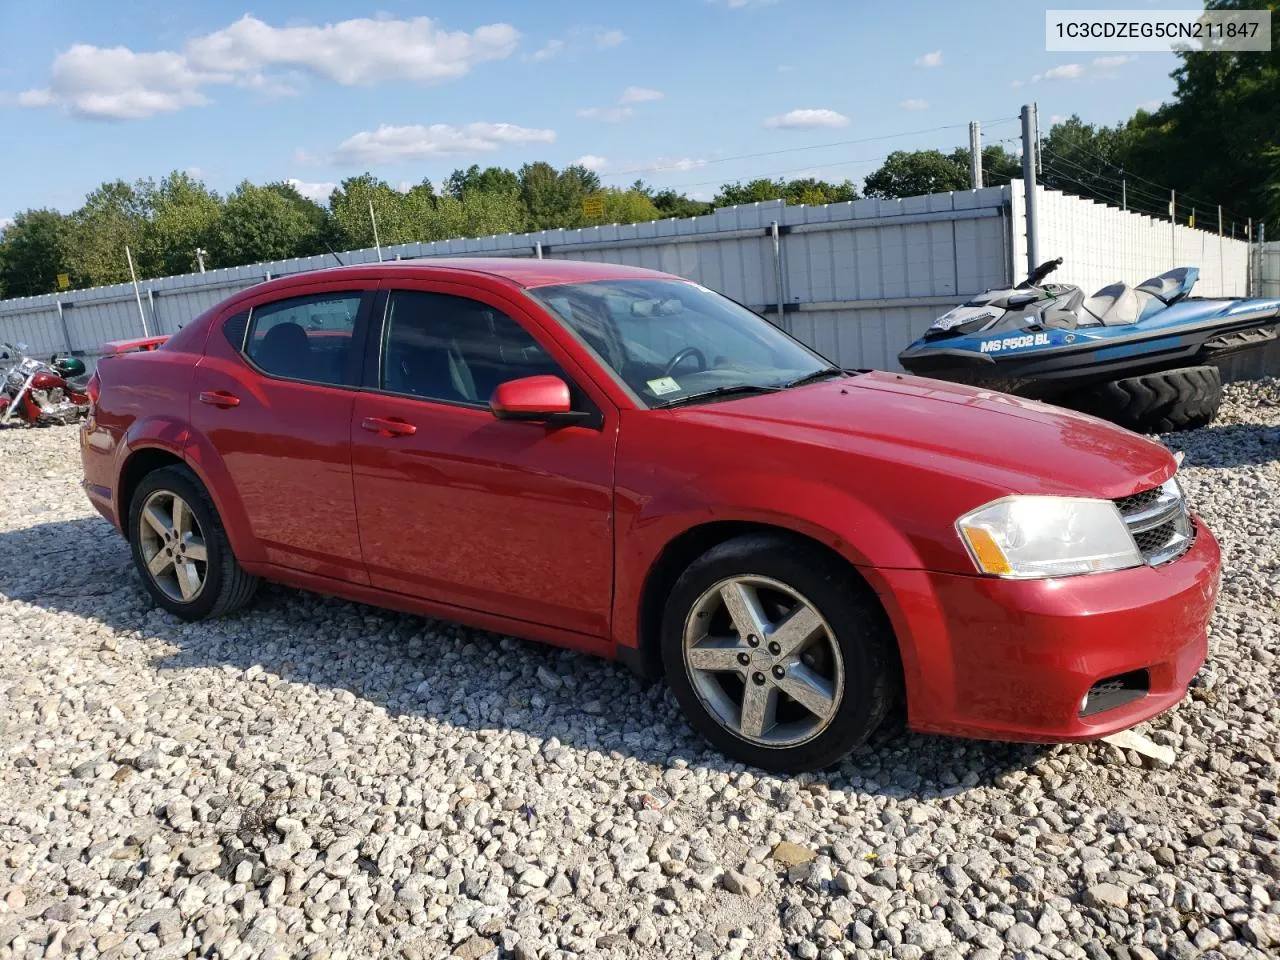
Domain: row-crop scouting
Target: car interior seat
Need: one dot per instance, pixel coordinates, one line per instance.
(286, 352)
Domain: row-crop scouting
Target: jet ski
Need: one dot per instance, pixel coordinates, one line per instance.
(1142, 356)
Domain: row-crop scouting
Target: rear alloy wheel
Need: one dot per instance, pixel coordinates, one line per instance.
(778, 654)
(180, 547)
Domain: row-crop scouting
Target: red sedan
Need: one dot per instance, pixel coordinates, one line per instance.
(627, 463)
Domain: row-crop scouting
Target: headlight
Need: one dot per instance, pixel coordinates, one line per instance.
(1026, 537)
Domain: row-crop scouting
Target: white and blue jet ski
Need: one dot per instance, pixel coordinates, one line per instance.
(1142, 356)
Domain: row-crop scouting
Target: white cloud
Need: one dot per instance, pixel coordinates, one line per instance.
(1016, 84)
(1104, 63)
(639, 95)
(548, 50)
(609, 38)
(1067, 71)
(319, 192)
(679, 163)
(785, 68)
(194, 172)
(930, 59)
(390, 144)
(119, 84)
(592, 162)
(5, 223)
(805, 119)
(607, 114)
(305, 157)
(915, 104)
(1150, 105)
(739, 4)
(114, 83)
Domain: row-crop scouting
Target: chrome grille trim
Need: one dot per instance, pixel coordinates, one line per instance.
(1159, 522)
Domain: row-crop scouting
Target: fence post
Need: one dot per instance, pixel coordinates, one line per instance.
(777, 270)
(1029, 150)
(62, 322)
(142, 315)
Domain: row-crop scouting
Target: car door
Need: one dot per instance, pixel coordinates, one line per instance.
(273, 395)
(456, 506)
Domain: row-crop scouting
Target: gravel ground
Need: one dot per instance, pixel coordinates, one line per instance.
(319, 779)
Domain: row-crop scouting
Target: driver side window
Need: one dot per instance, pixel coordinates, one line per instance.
(453, 349)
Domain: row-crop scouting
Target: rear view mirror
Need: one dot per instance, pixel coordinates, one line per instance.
(657, 308)
(542, 398)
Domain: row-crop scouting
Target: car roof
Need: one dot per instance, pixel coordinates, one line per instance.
(523, 271)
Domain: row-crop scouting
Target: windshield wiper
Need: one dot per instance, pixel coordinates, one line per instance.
(725, 391)
(812, 377)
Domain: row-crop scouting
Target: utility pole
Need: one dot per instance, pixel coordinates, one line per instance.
(1124, 191)
(1173, 225)
(975, 155)
(374, 220)
(200, 257)
(1030, 148)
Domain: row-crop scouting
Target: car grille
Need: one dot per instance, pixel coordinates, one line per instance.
(1159, 522)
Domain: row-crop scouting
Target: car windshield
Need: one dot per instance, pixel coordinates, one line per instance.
(673, 342)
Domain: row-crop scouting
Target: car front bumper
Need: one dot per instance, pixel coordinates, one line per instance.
(1013, 659)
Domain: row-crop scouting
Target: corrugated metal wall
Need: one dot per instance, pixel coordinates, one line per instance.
(858, 281)
(1102, 244)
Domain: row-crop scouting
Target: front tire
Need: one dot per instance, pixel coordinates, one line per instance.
(180, 547)
(778, 654)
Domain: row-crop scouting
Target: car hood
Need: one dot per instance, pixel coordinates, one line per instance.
(1008, 444)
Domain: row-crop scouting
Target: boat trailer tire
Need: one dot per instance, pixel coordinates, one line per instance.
(1181, 399)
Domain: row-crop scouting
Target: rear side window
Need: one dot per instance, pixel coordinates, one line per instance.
(304, 338)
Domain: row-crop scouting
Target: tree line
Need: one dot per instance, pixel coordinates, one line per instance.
(1217, 141)
(172, 225)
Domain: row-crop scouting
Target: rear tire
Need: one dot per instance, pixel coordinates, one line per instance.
(1170, 400)
(172, 523)
(845, 673)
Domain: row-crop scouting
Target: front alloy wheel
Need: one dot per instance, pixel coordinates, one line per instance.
(763, 661)
(778, 652)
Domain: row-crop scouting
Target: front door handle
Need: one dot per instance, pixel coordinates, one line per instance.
(388, 426)
(219, 398)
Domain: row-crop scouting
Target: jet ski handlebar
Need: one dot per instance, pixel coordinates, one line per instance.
(1040, 272)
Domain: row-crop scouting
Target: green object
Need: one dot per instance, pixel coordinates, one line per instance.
(69, 366)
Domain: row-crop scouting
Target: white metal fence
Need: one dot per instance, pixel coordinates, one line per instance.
(1268, 270)
(858, 281)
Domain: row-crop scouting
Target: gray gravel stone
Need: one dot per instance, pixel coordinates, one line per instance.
(318, 779)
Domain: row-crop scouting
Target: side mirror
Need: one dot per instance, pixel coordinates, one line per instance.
(542, 398)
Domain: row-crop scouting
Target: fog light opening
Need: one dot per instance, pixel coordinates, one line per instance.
(1112, 692)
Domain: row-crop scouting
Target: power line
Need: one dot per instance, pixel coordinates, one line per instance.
(816, 146)
(1138, 191)
(1159, 186)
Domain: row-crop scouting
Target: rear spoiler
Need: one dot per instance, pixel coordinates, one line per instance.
(115, 347)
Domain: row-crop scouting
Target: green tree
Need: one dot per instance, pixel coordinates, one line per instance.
(554, 198)
(257, 224)
(998, 165)
(474, 180)
(349, 207)
(916, 172)
(184, 215)
(318, 226)
(113, 215)
(672, 204)
(33, 251)
(807, 190)
(624, 206)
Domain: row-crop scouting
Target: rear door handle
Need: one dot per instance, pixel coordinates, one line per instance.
(219, 398)
(388, 426)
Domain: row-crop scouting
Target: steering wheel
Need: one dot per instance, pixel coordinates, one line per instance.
(683, 355)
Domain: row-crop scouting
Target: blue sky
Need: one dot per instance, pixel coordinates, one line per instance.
(683, 93)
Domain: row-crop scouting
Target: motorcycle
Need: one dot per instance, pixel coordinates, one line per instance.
(41, 393)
